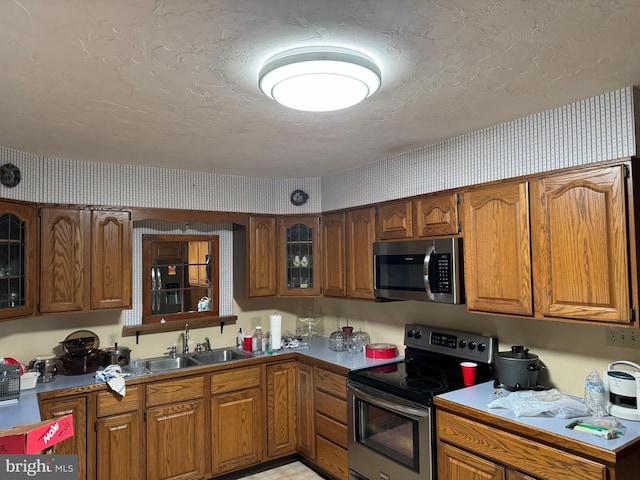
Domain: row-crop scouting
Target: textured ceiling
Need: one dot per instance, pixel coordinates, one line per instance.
(174, 83)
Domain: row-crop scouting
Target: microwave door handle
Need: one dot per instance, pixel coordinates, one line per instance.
(426, 270)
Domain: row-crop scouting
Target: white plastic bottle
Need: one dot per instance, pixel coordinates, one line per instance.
(594, 394)
(240, 341)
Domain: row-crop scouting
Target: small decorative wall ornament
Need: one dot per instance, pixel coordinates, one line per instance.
(9, 175)
(299, 197)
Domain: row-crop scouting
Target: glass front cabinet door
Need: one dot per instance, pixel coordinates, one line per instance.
(300, 256)
(17, 259)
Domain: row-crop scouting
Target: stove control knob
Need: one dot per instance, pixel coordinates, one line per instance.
(482, 347)
(472, 345)
(418, 334)
(462, 343)
(410, 333)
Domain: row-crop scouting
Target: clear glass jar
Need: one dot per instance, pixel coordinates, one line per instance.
(353, 344)
(337, 341)
(364, 337)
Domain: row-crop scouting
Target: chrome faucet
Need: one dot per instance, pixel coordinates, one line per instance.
(186, 339)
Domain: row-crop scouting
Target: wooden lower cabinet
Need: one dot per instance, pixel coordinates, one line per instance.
(119, 447)
(330, 398)
(77, 444)
(470, 450)
(281, 409)
(237, 419)
(177, 440)
(458, 464)
(119, 435)
(211, 424)
(305, 424)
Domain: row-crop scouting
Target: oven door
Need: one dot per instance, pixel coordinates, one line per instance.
(389, 438)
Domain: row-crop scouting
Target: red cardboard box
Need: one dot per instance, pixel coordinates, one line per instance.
(36, 437)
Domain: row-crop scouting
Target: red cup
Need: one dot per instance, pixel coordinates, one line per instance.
(247, 342)
(469, 372)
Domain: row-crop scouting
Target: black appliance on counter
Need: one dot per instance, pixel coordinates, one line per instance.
(391, 423)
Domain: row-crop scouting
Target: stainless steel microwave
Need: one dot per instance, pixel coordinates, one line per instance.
(428, 270)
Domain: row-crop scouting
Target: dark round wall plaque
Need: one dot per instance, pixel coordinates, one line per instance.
(9, 175)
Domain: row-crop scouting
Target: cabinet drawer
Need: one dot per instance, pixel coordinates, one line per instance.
(171, 391)
(516, 452)
(331, 383)
(331, 407)
(110, 403)
(332, 458)
(235, 379)
(334, 431)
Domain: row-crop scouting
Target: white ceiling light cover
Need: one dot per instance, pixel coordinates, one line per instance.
(319, 80)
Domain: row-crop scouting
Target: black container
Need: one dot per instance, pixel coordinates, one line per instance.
(517, 369)
(81, 353)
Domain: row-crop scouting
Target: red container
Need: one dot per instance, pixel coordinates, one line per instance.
(381, 350)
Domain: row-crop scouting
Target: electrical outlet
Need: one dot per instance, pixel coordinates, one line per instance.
(112, 339)
(623, 337)
(255, 321)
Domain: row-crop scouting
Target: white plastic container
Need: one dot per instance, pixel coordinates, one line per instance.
(28, 380)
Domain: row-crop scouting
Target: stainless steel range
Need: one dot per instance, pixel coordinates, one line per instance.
(391, 423)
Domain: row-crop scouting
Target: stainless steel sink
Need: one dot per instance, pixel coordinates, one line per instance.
(220, 355)
(162, 364)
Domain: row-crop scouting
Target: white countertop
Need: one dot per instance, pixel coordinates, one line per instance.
(479, 396)
(26, 410)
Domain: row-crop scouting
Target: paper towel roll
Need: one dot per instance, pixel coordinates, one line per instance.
(276, 331)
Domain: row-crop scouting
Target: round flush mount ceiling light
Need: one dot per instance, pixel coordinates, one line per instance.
(319, 79)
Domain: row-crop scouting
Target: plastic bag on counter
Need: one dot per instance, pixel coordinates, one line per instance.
(530, 403)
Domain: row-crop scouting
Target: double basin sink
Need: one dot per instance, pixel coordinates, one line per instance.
(220, 355)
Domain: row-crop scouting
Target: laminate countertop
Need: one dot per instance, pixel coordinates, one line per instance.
(479, 396)
(26, 410)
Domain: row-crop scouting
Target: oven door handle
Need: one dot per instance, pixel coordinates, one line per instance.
(395, 407)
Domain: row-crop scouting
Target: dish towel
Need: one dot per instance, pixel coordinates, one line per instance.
(114, 377)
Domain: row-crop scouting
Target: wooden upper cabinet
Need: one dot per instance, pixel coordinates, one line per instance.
(18, 259)
(428, 216)
(580, 242)
(437, 215)
(85, 260)
(497, 256)
(395, 220)
(64, 259)
(262, 256)
(300, 256)
(111, 260)
(333, 243)
(361, 232)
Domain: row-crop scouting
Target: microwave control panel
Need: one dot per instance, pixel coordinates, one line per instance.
(442, 281)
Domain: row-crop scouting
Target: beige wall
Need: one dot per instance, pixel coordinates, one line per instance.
(568, 351)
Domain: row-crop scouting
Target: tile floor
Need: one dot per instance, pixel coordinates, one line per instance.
(290, 471)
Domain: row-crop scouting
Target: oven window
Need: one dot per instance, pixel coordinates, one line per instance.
(388, 433)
